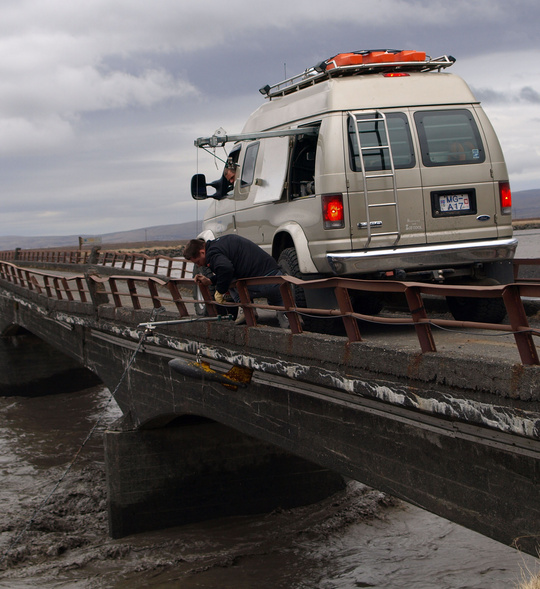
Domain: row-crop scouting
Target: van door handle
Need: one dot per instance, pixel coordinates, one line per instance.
(371, 224)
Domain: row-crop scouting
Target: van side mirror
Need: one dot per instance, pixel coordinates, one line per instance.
(198, 187)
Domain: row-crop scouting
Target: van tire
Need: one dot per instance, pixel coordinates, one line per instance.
(288, 260)
(481, 310)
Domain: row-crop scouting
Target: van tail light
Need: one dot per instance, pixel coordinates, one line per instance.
(333, 211)
(505, 194)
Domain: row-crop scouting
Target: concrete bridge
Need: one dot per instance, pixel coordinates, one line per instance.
(448, 421)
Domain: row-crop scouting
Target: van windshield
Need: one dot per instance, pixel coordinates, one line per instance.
(449, 137)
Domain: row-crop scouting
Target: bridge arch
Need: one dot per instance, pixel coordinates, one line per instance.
(30, 366)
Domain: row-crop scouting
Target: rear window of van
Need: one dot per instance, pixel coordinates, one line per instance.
(449, 137)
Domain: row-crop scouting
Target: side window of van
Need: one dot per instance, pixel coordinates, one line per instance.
(371, 130)
(248, 169)
(229, 172)
(302, 165)
(449, 137)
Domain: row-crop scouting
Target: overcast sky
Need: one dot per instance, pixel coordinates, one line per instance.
(100, 101)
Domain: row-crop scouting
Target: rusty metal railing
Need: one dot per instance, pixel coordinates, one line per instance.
(46, 256)
(140, 292)
(511, 294)
(175, 294)
(54, 286)
(157, 265)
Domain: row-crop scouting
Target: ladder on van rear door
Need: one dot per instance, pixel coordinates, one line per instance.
(379, 117)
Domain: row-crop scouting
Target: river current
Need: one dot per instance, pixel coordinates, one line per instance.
(357, 538)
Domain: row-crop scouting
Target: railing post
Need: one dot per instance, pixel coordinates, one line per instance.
(47, 286)
(94, 255)
(518, 320)
(209, 301)
(154, 293)
(419, 315)
(245, 300)
(56, 282)
(287, 296)
(80, 290)
(97, 291)
(132, 289)
(177, 298)
(346, 308)
(115, 292)
(67, 289)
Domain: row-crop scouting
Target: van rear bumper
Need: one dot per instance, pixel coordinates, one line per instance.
(432, 256)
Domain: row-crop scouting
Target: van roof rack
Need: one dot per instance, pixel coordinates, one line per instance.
(368, 61)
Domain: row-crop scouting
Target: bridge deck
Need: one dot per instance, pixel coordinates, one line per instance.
(455, 431)
(449, 336)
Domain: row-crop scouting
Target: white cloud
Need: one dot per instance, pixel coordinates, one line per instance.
(18, 134)
(100, 101)
(508, 85)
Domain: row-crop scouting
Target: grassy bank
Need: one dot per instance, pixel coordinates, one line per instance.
(533, 583)
(526, 223)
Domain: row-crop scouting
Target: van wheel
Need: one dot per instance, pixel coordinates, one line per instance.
(480, 310)
(200, 307)
(288, 260)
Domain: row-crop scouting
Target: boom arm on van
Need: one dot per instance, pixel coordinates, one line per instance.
(217, 140)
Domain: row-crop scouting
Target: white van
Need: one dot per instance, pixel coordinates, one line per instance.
(372, 164)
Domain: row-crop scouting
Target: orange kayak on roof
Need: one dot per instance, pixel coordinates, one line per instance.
(343, 59)
(375, 56)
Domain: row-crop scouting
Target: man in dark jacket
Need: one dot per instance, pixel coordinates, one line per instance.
(231, 257)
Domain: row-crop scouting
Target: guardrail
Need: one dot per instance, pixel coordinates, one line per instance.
(46, 256)
(140, 292)
(158, 265)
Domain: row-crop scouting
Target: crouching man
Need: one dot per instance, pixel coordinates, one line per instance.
(231, 257)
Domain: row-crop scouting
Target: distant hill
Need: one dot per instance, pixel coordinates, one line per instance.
(179, 231)
(525, 205)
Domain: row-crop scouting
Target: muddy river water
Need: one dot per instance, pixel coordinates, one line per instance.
(357, 538)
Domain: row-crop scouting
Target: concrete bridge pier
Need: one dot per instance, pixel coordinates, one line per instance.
(195, 469)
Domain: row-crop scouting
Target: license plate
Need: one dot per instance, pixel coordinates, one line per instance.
(454, 202)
